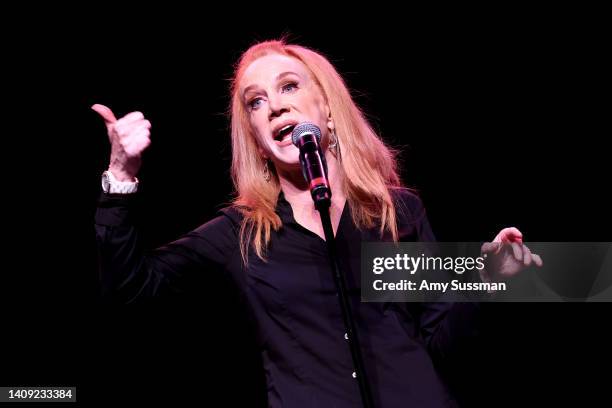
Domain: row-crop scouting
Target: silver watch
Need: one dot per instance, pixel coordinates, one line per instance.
(113, 186)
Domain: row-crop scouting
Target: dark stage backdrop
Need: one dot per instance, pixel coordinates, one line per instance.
(500, 124)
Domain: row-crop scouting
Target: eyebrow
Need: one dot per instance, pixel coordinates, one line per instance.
(278, 78)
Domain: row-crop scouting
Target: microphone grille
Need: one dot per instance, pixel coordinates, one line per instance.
(304, 129)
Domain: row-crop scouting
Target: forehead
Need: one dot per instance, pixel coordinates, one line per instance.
(268, 67)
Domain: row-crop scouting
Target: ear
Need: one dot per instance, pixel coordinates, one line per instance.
(330, 121)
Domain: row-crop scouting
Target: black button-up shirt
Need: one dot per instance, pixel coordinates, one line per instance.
(292, 299)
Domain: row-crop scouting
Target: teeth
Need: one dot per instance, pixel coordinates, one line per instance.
(283, 130)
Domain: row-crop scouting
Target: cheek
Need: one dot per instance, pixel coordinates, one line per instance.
(318, 109)
(258, 128)
(262, 143)
(263, 148)
(255, 120)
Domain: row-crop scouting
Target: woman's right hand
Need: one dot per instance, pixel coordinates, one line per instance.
(129, 137)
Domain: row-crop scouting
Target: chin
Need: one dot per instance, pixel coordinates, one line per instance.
(288, 156)
(288, 161)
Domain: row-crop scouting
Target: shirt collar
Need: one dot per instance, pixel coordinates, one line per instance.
(284, 210)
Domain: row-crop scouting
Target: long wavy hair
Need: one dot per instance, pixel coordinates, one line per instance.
(368, 166)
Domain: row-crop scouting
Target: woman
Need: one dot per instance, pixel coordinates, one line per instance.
(272, 244)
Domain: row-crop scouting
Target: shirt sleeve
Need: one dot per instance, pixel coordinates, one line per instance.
(445, 327)
(129, 272)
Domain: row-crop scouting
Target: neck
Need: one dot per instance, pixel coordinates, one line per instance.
(297, 192)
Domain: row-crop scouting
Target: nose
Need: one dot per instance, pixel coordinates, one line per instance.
(277, 107)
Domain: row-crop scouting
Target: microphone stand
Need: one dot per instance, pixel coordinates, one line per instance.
(306, 138)
(322, 204)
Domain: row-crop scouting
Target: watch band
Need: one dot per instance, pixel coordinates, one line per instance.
(113, 186)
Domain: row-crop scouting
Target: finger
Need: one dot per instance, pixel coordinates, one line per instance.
(139, 134)
(138, 143)
(490, 247)
(518, 253)
(510, 234)
(526, 256)
(125, 130)
(143, 143)
(537, 259)
(514, 235)
(130, 117)
(105, 112)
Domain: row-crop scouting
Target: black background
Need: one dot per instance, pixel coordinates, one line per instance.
(502, 120)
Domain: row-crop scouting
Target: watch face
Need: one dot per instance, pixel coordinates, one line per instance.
(105, 182)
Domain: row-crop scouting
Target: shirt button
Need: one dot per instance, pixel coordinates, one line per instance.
(354, 374)
(345, 336)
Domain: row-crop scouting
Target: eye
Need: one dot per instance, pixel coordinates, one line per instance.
(254, 103)
(289, 87)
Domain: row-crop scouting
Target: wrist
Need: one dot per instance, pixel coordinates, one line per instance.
(121, 175)
(112, 185)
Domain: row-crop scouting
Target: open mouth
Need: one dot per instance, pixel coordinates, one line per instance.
(283, 133)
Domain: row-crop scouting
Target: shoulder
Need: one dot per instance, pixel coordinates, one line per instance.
(412, 221)
(226, 223)
(231, 213)
(409, 207)
(407, 202)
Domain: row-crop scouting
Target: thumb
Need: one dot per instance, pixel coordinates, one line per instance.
(105, 112)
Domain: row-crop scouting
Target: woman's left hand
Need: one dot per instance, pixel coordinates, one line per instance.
(507, 256)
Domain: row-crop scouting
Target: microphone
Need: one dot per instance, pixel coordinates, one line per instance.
(307, 138)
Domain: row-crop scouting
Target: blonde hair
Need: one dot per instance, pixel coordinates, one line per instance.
(368, 166)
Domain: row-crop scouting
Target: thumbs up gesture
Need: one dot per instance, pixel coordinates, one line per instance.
(129, 137)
